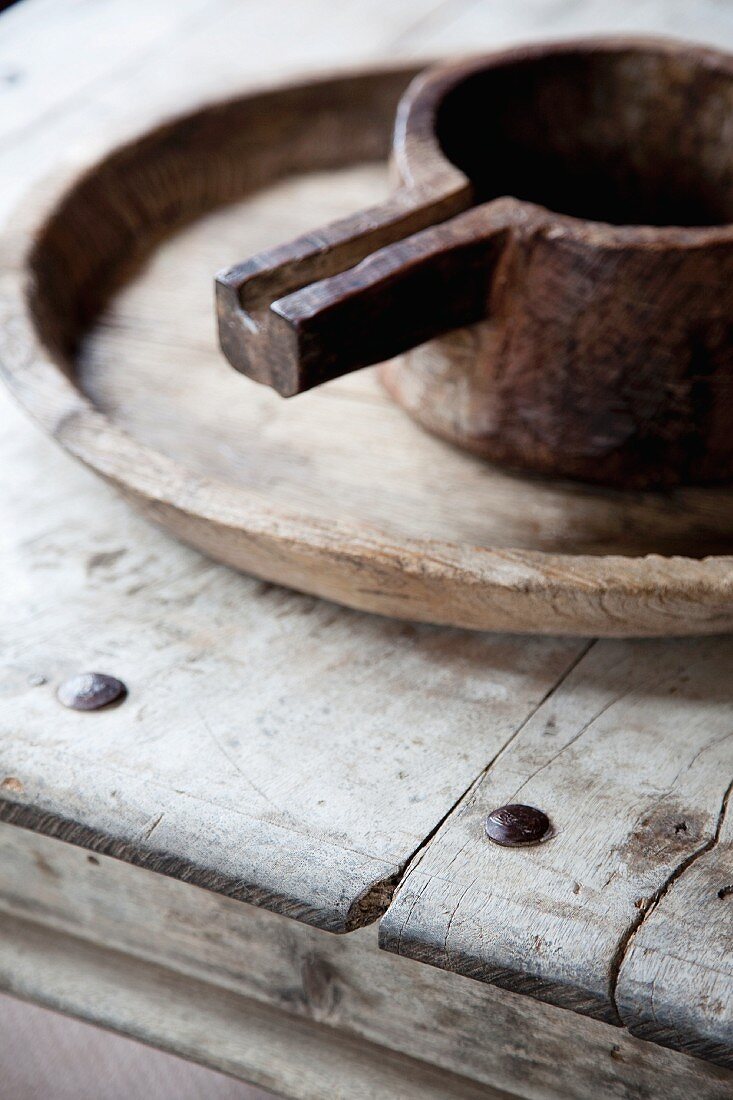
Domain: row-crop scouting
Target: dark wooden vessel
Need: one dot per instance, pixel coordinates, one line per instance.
(106, 338)
(571, 204)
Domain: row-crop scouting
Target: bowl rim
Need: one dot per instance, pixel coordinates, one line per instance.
(456, 584)
(424, 167)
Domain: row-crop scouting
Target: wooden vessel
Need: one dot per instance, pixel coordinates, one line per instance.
(569, 202)
(107, 338)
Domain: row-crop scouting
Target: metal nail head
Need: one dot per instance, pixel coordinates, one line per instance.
(91, 691)
(516, 825)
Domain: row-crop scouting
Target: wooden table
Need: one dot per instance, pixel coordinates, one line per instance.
(330, 769)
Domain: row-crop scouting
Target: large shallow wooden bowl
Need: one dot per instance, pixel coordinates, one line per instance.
(107, 338)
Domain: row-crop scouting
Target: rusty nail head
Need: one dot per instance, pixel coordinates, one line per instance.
(516, 825)
(91, 691)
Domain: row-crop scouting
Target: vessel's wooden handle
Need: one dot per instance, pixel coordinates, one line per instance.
(365, 289)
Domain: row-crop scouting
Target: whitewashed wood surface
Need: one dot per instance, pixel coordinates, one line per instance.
(292, 1007)
(632, 758)
(355, 736)
(272, 747)
(674, 985)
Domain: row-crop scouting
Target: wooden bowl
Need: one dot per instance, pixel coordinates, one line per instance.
(571, 202)
(107, 338)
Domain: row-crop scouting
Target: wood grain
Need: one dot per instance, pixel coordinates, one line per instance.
(264, 502)
(58, 504)
(597, 261)
(675, 985)
(299, 1059)
(383, 469)
(631, 758)
(270, 747)
(341, 990)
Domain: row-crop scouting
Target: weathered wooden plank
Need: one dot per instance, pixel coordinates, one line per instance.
(229, 47)
(194, 941)
(630, 758)
(297, 1058)
(675, 984)
(450, 27)
(271, 747)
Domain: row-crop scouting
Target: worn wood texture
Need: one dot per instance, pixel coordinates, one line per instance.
(332, 545)
(129, 91)
(206, 1024)
(631, 758)
(675, 984)
(270, 746)
(339, 991)
(606, 354)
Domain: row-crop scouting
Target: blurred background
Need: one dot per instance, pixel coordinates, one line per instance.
(71, 68)
(45, 1056)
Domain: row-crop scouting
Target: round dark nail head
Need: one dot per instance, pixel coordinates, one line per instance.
(91, 691)
(516, 825)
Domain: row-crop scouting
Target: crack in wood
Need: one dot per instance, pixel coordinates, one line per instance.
(626, 941)
(153, 826)
(413, 861)
(373, 903)
(576, 737)
(177, 866)
(548, 695)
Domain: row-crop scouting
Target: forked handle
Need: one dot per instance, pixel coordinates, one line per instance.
(364, 290)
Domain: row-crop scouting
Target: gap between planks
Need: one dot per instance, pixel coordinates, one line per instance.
(428, 926)
(378, 899)
(414, 859)
(368, 907)
(627, 940)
